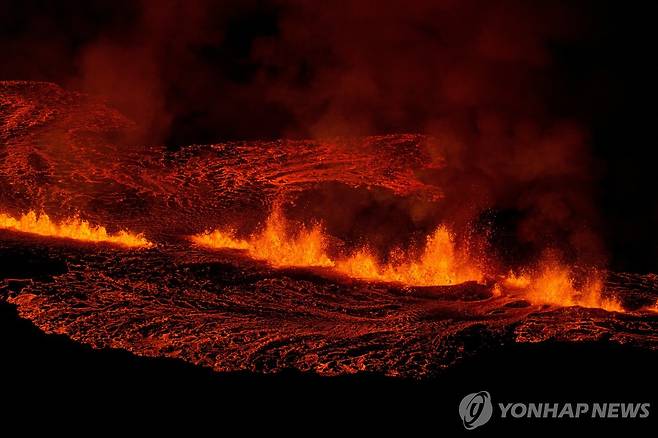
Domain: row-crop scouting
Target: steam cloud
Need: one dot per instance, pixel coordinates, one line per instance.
(478, 76)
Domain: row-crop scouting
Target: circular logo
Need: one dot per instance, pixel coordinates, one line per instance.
(475, 409)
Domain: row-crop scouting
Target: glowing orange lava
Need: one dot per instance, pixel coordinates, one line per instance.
(439, 263)
(553, 283)
(73, 228)
(275, 244)
(220, 239)
(517, 281)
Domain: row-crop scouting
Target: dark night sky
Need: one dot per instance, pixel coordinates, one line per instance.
(473, 72)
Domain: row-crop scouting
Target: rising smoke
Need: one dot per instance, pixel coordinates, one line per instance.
(477, 76)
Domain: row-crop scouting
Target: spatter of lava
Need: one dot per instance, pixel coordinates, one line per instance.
(274, 296)
(439, 263)
(72, 228)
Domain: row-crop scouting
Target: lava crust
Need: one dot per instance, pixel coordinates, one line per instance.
(65, 154)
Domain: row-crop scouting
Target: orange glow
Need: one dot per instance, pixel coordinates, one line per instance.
(553, 283)
(439, 263)
(275, 244)
(220, 239)
(517, 281)
(73, 228)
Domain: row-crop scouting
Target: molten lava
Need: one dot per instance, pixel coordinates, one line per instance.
(554, 283)
(221, 239)
(275, 244)
(440, 263)
(517, 281)
(73, 228)
(211, 310)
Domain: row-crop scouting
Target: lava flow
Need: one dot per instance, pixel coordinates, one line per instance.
(440, 262)
(554, 283)
(413, 311)
(275, 244)
(72, 228)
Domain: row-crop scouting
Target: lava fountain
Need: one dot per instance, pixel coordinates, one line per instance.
(440, 262)
(72, 228)
(555, 284)
(275, 244)
(417, 308)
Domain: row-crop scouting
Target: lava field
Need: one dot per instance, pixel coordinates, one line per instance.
(68, 156)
